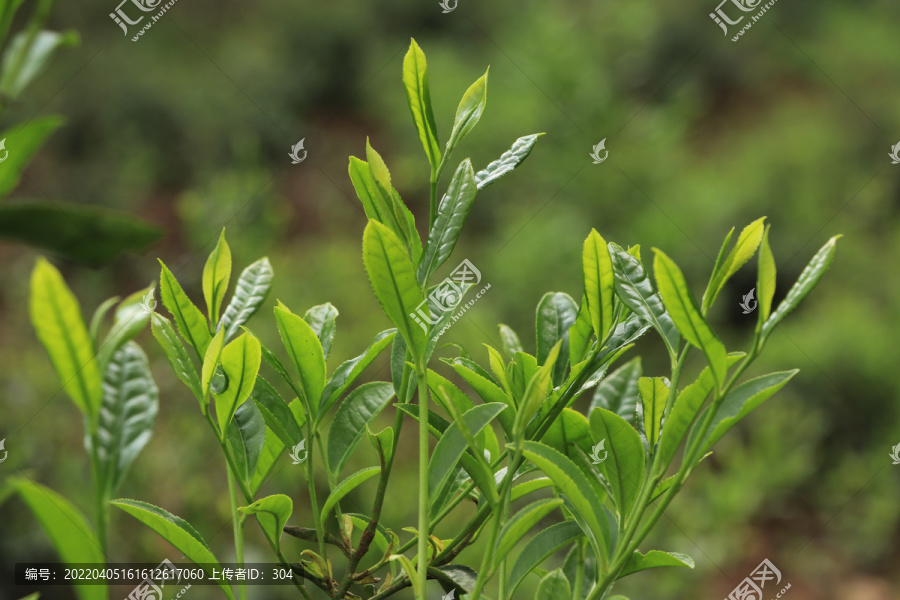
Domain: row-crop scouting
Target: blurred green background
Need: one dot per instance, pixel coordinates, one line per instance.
(190, 128)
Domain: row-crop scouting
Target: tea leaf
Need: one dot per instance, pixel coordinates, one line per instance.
(469, 112)
(520, 524)
(619, 391)
(508, 161)
(56, 317)
(177, 532)
(678, 298)
(418, 96)
(765, 279)
(345, 487)
(624, 466)
(272, 512)
(804, 285)
(131, 318)
(246, 437)
(653, 559)
(305, 351)
(556, 313)
(346, 374)
(358, 409)
(599, 283)
(67, 528)
(743, 251)
(249, 293)
(190, 321)
(394, 280)
(634, 289)
(126, 417)
(539, 548)
(654, 392)
(321, 319)
(216, 275)
(240, 363)
(176, 353)
(554, 586)
(452, 212)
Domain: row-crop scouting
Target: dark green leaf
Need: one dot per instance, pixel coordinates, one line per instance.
(346, 374)
(249, 293)
(176, 353)
(453, 444)
(635, 290)
(570, 429)
(554, 586)
(246, 437)
(538, 548)
(358, 409)
(510, 340)
(271, 452)
(580, 335)
(89, 236)
(452, 212)
(520, 524)
(276, 413)
(556, 313)
(127, 415)
(619, 391)
(22, 142)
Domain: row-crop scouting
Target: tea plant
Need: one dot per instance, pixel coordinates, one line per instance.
(606, 474)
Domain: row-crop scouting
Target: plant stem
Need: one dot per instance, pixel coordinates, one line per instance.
(311, 485)
(100, 497)
(421, 375)
(237, 526)
(484, 571)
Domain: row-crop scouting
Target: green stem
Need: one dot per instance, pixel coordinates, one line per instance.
(100, 497)
(421, 378)
(311, 485)
(579, 569)
(238, 527)
(486, 560)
